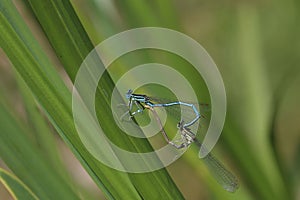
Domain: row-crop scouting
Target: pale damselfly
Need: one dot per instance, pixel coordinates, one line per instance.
(223, 176)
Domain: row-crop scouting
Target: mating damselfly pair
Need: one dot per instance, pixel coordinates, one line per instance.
(141, 102)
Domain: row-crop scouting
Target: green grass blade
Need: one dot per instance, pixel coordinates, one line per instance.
(35, 69)
(16, 188)
(167, 13)
(165, 187)
(138, 13)
(39, 129)
(58, 107)
(43, 135)
(60, 16)
(39, 132)
(26, 161)
(251, 106)
(260, 94)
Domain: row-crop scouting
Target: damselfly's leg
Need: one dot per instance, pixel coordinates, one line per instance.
(182, 145)
(123, 116)
(131, 114)
(130, 104)
(140, 107)
(127, 112)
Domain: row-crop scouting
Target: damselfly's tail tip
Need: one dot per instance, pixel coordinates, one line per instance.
(232, 187)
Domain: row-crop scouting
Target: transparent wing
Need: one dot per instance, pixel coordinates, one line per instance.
(224, 177)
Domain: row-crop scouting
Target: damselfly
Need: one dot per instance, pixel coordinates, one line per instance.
(224, 177)
(141, 100)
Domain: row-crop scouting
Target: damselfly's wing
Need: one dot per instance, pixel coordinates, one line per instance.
(224, 177)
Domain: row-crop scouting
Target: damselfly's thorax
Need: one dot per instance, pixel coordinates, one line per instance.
(186, 133)
(137, 97)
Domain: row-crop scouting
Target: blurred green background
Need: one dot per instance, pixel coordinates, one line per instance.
(256, 46)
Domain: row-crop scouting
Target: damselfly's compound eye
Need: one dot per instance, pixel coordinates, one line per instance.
(128, 94)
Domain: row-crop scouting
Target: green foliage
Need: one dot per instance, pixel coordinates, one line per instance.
(251, 42)
(15, 186)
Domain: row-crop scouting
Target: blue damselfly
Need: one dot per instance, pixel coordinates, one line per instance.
(141, 100)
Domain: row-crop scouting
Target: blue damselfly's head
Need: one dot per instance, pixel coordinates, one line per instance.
(129, 93)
